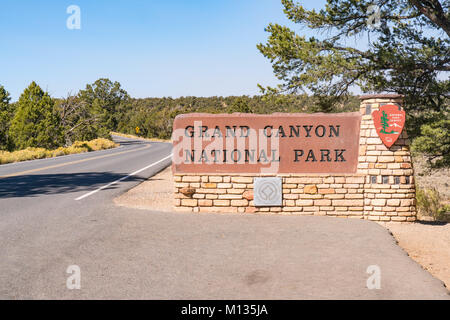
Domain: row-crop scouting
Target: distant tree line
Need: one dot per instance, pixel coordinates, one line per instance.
(154, 116)
(38, 120)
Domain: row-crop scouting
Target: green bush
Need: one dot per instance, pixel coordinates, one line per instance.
(434, 143)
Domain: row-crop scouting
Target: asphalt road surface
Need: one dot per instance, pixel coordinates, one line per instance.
(49, 202)
(55, 213)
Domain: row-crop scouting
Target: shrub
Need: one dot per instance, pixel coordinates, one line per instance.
(40, 153)
(429, 203)
(100, 144)
(434, 143)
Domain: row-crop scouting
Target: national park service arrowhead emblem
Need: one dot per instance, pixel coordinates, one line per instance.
(389, 122)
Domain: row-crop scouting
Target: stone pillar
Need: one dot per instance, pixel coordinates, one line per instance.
(389, 191)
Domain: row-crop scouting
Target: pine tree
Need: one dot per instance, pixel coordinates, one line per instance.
(35, 123)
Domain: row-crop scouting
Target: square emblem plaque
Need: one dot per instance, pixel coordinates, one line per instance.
(268, 192)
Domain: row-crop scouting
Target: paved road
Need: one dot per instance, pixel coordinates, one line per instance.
(128, 253)
(45, 203)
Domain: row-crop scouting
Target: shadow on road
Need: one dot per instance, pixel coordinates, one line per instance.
(128, 143)
(41, 184)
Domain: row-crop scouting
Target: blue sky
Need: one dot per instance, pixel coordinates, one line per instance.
(153, 48)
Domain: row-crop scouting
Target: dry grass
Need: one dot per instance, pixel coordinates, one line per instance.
(426, 243)
(131, 136)
(155, 194)
(40, 153)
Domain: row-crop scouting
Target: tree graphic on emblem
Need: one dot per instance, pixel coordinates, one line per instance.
(385, 124)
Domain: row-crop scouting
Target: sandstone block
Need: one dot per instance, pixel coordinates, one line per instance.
(230, 196)
(407, 202)
(349, 202)
(224, 185)
(235, 191)
(310, 189)
(248, 195)
(209, 185)
(301, 202)
(378, 202)
(242, 179)
(386, 159)
(189, 202)
(354, 180)
(239, 203)
(393, 202)
(187, 191)
(322, 202)
(222, 203)
(326, 191)
(205, 203)
(191, 179)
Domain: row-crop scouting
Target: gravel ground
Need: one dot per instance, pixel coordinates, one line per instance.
(155, 193)
(425, 242)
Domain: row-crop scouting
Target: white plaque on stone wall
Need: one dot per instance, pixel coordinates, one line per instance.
(268, 192)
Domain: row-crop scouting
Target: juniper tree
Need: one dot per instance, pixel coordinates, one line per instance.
(5, 119)
(78, 120)
(434, 143)
(107, 102)
(36, 123)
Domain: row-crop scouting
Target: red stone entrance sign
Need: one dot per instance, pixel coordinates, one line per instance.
(327, 164)
(276, 143)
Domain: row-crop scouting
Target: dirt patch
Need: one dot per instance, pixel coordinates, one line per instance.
(426, 243)
(154, 194)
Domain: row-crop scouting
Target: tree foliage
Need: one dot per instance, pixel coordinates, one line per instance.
(154, 116)
(105, 101)
(240, 105)
(78, 120)
(5, 119)
(35, 122)
(41, 121)
(407, 52)
(435, 143)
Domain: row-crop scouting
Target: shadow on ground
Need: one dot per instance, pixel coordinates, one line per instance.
(41, 184)
(432, 223)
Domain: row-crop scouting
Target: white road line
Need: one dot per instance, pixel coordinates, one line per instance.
(123, 178)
